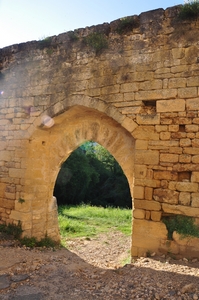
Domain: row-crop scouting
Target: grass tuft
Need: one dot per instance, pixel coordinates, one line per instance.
(97, 41)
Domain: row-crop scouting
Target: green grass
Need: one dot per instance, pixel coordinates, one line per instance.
(87, 221)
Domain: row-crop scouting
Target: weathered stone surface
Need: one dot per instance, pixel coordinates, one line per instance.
(147, 204)
(170, 105)
(147, 157)
(184, 198)
(166, 196)
(187, 186)
(195, 200)
(180, 210)
(139, 213)
(138, 98)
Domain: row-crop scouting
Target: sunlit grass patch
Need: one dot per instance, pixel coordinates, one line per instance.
(88, 221)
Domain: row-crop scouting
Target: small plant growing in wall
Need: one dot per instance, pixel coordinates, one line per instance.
(97, 41)
(21, 200)
(183, 225)
(190, 10)
(72, 36)
(44, 42)
(127, 24)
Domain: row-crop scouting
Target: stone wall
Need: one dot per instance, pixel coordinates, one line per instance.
(132, 86)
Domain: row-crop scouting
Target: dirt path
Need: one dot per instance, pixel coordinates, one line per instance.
(92, 269)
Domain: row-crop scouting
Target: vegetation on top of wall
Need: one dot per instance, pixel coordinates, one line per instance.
(183, 225)
(44, 43)
(97, 41)
(73, 36)
(126, 24)
(190, 10)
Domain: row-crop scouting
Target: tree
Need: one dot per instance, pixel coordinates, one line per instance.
(92, 175)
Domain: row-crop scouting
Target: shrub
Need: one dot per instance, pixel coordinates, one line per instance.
(97, 41)
(183, 225)
(127, 24)
(12, 230)
(189, 10)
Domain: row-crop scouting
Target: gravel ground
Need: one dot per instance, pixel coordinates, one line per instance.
(93, 269)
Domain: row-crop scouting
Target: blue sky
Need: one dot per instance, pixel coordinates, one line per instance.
(26, 20)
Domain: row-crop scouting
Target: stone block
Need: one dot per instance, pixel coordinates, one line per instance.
(178, 53)
(129, 124)
(168, 175)
(165, 136)
(175, 150)
(147, 204)
(156, 216)
(184, 198)
(193, 81)
(138, 192)
(139, 214)
(166, 196)
(2, 189)
(174, 128)
(149, 229)
(151, 119)
(147, 157)
(150, 85)
(167, 157)
(161, 128)
(180, 210)
(170, 105)
(21, 216)
(185, 142)
(148, 193)
(188, 92)
(187, 186)
(148, 215)
(195, 200)
(195, 177)
(140, 171)
(191, 150)
(195, 143)
(156, 95)
(145, 133)
(128, 87)
(192, 104)
(184, 158)
(191, 128)
(147, 182)
(177, 83)
(18, 173)
(141, 144)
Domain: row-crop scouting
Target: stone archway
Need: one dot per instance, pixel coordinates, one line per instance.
(48, 148)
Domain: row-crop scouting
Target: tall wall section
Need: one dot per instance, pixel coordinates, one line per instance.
(142, 72)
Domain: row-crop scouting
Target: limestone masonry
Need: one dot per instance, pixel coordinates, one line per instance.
(132, 86)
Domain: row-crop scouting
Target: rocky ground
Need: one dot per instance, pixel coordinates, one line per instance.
(96, 268)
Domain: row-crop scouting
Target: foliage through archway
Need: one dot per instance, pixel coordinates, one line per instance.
(91, 175)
